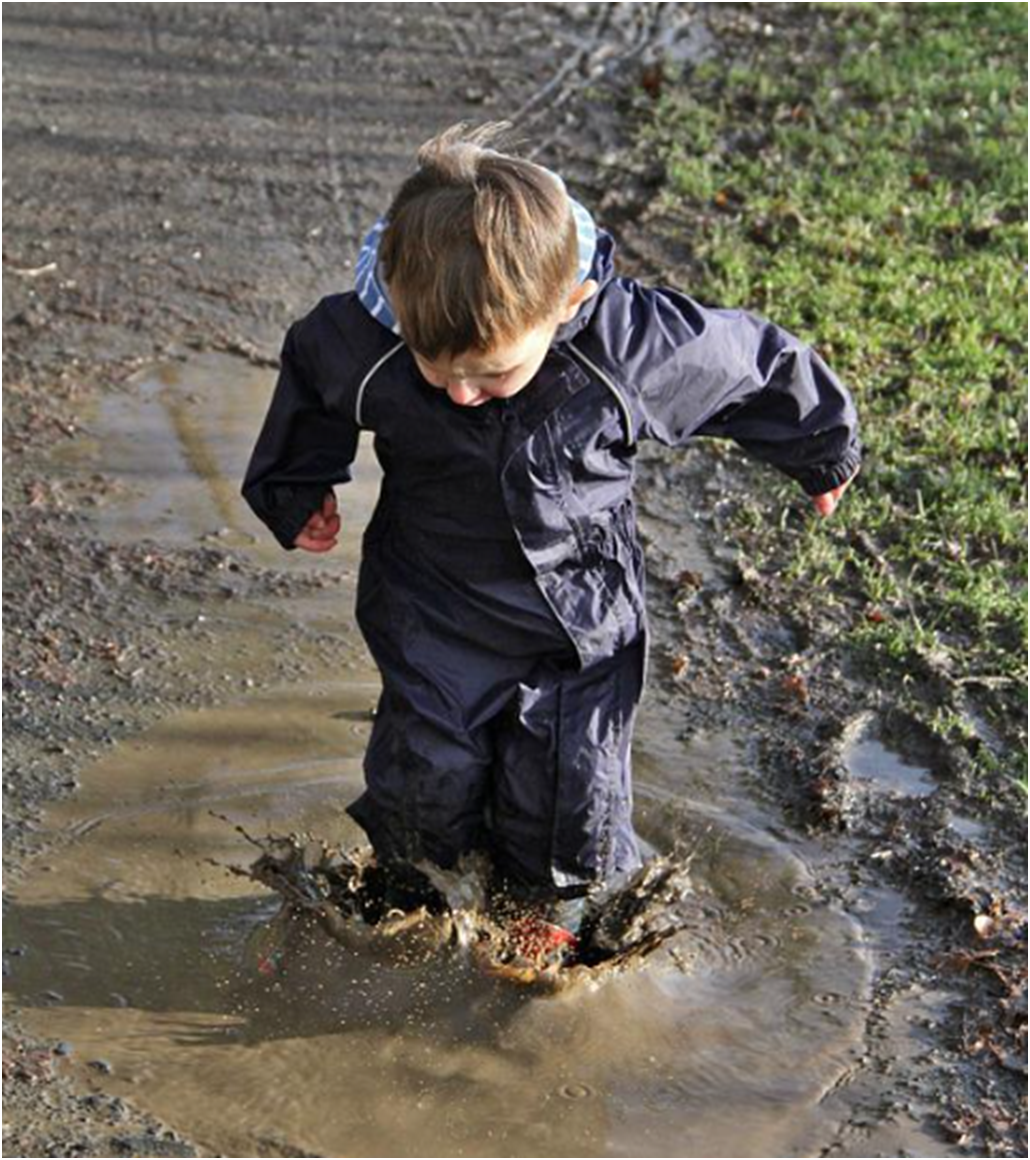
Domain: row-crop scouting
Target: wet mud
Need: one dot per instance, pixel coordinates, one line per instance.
(847, 972)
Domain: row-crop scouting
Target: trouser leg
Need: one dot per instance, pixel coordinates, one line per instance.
(427, 785)
(562, 790)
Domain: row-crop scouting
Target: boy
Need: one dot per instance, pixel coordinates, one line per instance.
(507, 375)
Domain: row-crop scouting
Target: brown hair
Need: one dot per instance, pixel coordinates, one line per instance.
(479, 246)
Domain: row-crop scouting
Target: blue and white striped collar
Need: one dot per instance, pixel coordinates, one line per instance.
(371, 287)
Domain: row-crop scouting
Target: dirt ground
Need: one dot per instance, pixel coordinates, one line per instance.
(187, 178)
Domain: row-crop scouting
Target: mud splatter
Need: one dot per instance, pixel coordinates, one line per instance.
(453, 911)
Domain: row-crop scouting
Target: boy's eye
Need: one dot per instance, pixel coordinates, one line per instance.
(436, 379)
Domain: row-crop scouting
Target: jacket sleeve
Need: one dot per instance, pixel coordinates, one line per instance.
(695, 370)
(302, 450)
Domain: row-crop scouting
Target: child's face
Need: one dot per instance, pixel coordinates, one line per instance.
(473, 378)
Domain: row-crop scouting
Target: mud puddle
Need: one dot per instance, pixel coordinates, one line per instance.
(138, 956)
(138, 947)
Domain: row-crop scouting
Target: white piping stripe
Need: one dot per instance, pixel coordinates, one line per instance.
(364, 382)
(627, 414)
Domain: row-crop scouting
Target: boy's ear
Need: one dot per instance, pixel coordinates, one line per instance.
(576, 299)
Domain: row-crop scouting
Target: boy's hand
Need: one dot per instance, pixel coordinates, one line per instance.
(320, 532)
(825, 504)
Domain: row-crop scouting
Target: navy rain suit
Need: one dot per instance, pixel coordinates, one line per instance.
(501, 590)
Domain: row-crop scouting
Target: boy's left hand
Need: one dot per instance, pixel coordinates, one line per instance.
(826, 504)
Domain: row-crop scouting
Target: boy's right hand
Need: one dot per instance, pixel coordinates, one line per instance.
(320, 532)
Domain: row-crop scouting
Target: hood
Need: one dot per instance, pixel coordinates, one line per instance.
(596, 260)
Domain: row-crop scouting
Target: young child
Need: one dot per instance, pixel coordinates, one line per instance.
(507, 375)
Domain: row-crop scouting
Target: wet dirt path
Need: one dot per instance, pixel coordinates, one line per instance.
(138, 945)
(182, 182)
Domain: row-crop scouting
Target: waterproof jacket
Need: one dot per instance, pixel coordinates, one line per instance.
(635, 363)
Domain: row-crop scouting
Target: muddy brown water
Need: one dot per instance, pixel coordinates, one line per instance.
(138, 947)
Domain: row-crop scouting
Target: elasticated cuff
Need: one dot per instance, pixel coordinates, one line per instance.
(820, 480)
(286, 522)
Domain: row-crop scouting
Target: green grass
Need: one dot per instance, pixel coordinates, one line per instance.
(860, 178)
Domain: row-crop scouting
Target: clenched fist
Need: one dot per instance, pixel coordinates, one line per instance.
(320, 532)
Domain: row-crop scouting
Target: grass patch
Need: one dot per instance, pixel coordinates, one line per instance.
(860, 177)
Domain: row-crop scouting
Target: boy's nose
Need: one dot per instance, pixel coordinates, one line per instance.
(461, 392)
